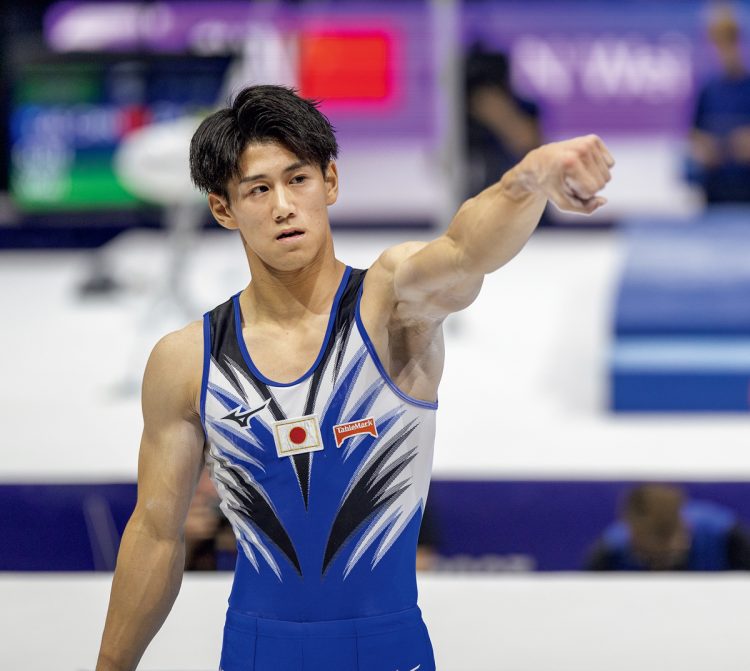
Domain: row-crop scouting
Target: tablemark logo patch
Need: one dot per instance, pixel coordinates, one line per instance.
(343, 431)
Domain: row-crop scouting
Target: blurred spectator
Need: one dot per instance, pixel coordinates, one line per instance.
(720, 139)
(210, 543)
(660, 530)
(427, 556)
(501, 126)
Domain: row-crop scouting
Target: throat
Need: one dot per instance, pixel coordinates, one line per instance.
(284, 331)
(284, 354)
(287, 299)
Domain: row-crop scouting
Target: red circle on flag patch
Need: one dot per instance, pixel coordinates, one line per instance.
(297, 435)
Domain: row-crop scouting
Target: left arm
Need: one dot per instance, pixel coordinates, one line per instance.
(489, 229)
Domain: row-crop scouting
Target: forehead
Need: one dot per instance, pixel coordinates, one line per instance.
(265, 158)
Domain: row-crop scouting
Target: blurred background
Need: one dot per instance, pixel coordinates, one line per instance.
(595, 397)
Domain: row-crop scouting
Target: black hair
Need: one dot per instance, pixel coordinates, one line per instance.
(263, 113)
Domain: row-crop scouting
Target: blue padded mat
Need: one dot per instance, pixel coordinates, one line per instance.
(688, 278)
(685, 374)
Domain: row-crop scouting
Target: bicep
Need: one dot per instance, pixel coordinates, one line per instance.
(171, 452)
(435, 280)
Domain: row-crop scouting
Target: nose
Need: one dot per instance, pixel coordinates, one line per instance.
(283, 207)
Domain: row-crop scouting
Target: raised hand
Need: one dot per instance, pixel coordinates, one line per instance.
(571, 173)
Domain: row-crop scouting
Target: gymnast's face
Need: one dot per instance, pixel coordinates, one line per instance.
(279, 204)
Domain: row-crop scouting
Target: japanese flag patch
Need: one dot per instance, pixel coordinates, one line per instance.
(297, 436)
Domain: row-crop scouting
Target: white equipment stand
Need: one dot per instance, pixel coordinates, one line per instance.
(153, 164)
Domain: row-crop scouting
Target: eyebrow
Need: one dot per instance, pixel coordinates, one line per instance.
(291, 168)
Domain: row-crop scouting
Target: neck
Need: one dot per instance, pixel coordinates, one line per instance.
(284, 296)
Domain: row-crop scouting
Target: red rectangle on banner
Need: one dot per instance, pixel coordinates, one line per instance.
(346, 67)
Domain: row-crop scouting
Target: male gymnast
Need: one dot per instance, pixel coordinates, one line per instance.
(311, 394)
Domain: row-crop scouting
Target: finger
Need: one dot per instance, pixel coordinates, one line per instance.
(583, 186)
(583, 205)
(595, 173)
(569, 189)
(602, 157)
(570, 201)
(601, 164)
(567, 203)
(608, 158)
(595, 162)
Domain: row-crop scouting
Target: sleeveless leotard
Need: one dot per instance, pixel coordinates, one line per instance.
(324, 480)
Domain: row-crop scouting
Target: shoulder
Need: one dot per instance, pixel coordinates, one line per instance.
(616, 535)
(179, 349)
(175, 368)
(392, 257)
(380, 275)
(709, 516)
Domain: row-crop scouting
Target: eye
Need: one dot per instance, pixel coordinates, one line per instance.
(298, 179)
(257, 190)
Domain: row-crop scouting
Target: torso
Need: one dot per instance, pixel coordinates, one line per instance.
(343, 519)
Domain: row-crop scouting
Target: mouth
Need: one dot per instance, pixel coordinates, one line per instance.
(290, 234)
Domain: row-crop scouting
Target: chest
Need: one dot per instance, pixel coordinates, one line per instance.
(285, 353)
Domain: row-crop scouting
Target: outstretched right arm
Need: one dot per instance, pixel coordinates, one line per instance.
(152, 554)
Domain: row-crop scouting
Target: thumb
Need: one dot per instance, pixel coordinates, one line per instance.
(593, 204)
(601, 201)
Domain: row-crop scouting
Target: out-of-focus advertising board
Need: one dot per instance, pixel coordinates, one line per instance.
(627, 71)
(118, 66)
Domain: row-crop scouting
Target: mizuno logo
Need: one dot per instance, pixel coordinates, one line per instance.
(243, 418)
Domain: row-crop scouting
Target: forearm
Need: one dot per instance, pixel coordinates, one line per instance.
(145, 585)
(518, 132)
(492, 227)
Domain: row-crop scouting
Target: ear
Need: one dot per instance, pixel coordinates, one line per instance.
(219, 207)
(331, 178)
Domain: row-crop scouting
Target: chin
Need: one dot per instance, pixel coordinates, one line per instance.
(291, 261)
(287, 258)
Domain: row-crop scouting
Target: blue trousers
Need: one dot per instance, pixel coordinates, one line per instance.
(392, 642)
